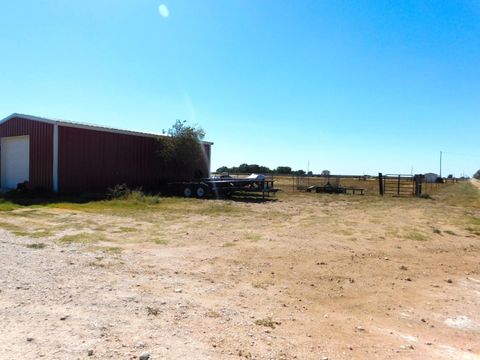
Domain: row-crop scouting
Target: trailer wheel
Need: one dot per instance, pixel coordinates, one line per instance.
(187, 191)
(201, 191)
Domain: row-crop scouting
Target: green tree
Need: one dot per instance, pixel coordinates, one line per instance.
(223, 169)
(181, 151)
(299, 172)
(283, 170)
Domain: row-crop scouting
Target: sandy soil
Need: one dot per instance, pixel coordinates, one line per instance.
(476, 183)
(306, 277)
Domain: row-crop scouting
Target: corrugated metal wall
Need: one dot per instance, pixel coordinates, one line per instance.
(41, 149)
(91, 160)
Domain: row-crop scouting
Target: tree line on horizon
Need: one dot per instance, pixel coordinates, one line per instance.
(260, 169)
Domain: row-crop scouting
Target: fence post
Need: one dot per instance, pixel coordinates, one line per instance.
(418, 185)
(380, 184)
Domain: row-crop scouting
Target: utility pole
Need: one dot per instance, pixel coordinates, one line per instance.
(308, 173)
(440, 164)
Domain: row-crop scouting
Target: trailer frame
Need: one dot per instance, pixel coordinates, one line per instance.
(223, 187)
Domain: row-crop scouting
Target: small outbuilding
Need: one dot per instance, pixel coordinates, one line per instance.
(431, 177)
(62, 156)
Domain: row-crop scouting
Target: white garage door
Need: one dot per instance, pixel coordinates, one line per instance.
(15, 160)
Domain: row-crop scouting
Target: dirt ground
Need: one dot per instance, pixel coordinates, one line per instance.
(308, 276)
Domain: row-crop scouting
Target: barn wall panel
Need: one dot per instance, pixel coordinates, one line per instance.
(41, 148)
(91, 160)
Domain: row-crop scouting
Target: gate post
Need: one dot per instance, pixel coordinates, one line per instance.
(380, 184)
(418, 184)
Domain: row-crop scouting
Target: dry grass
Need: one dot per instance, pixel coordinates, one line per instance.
(309, 260)
(82, 238)
(35, 235)
(416, 236)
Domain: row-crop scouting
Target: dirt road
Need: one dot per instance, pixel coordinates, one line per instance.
(307, 277)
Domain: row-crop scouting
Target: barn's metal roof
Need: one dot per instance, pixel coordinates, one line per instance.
(79, 125)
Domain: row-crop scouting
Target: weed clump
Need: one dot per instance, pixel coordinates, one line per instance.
(137, 196)
(36, 246)
(82, 238)
(267, 322)
(416, 236)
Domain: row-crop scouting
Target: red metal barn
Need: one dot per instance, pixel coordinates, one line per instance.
(71, 157)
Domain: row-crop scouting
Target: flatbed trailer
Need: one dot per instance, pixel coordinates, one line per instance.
(329, 189)
(222, 187)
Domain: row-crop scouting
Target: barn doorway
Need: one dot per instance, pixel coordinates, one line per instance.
(15, 159)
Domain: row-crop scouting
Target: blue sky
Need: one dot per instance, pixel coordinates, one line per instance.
(351, 86)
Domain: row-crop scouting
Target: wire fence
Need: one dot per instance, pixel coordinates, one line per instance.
(369, 184)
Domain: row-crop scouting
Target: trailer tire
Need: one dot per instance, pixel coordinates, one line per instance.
(187, 191)
(201, 191)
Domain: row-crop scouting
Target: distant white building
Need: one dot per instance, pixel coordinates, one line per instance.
(431, 177)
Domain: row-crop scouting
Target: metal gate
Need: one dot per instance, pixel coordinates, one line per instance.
(400, 185)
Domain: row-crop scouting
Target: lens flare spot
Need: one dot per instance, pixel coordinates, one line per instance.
(163, 11)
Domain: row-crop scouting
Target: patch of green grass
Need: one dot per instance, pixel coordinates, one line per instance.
(474, 220)
(6, 205)
(473, 225)
(131, 206)
(82, 238)
(160, 241)
(124, 229)
(253, 237)
(229, 244)
(416, 236)
(36, 246)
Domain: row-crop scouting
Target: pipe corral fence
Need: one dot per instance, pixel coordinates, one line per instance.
(393, 184)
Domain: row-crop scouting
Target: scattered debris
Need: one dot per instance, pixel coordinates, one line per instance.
(144, 356)
(152, 311)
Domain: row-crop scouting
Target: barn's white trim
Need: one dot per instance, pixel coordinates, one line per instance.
(84, 126)
(55, 158)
